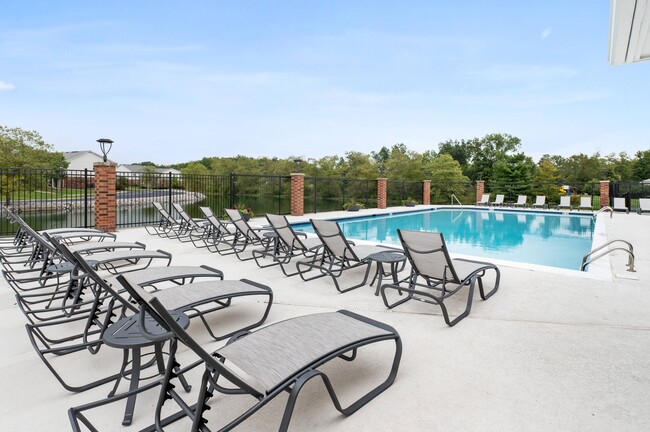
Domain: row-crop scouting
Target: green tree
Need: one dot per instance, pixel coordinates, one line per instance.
(641, 166)
(446, 178)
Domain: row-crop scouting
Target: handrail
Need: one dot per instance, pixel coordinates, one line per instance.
(588, 259)
(454, 197)
(605, 209)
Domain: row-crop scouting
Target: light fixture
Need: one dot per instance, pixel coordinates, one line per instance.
(105, 145)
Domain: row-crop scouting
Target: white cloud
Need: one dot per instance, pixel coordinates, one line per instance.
(6, 86)
(546, 33)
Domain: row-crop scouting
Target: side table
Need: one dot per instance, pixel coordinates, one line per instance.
(392, 257)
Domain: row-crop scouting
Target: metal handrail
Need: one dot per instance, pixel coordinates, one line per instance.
(605, 209)
(588, 259)
(454, 197)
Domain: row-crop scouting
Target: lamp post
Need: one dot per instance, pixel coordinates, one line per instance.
(105, 145)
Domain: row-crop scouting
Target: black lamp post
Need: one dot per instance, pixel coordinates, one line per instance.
(105, 145)
(298, 162)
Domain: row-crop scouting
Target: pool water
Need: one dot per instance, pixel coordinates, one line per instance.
(543, 238)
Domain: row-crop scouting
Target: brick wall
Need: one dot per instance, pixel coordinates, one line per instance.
(426, 192)
(480, 189)
(105, 198)
(297, 194)
(381, 192)
(604, 193)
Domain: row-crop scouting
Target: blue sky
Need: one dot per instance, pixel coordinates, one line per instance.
(176, 81)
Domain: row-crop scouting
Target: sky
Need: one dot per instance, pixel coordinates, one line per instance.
(172, 81)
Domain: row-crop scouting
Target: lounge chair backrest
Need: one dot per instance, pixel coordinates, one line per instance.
(183, 214)
(585, 202)
(153, 307)
(565, 201)
(333, 239)
(499, 199)
(282, 227)
(241, 224)
(619, 203)
(218, 225)
(428, 255)
(540, 200)
(644, 204)
(485, 198)
(521, 199)
(165, 215)
(207, 211)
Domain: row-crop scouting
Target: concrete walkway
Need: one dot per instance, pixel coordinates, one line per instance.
(551, 351)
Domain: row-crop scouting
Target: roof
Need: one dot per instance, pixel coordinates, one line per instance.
(75, 154)
(629, 31)
(142, 168)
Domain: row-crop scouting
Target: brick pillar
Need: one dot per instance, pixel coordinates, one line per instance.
(480, 189)
(105, 197)
(604, 193)
(426, 192)
(382, 185)
(297, 194)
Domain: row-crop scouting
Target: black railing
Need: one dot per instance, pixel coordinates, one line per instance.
(465, 192)
(329, 194)
(398, 191)
(552, 191)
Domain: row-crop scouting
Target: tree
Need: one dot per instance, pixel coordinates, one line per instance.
(26, 149)
(641, 169)
(446, 178)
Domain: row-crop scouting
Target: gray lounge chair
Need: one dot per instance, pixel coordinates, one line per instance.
(290, 244)
(540, 202)
(565, 203)
(619, 205)
(339, 255)
(193, 230)
(644, 205)
(586, 203)
(521, 201)
(498, 201)
(442, 277)
(279, 358)
(485, 200)
(166, 226)
(245, 236)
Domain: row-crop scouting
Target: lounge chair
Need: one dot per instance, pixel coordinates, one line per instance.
(290, 244)
(245, 236)
(644, 205)
(166, 226)
(441, 276)
(191, 229)
(565, 203)
(279, 358)
(485, 200)
(586, 203)
(619, 205)
(498, 201)
(339, 255)
(540, 202)
(521, 201)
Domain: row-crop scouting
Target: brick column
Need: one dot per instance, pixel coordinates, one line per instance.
(604, 193)
(382, 185)
(105, 197)
(297, 194)
(480, 189)
(426, 192)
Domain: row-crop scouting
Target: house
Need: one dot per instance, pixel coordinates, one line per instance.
(142, 169)
(81, 160)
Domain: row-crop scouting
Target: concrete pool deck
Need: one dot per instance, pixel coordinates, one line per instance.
(549, 351)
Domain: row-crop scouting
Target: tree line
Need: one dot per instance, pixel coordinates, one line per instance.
(494, 158)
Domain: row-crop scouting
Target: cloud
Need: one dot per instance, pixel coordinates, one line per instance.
(546, 33)
(6, 86)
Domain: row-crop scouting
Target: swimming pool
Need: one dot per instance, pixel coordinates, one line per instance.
(543, 238)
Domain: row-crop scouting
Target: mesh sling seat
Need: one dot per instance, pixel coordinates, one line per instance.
(441, 276)
(619, 205)
(289, 244)
(190, 229)
(166, 226)
(485, 200)
(521, 201)
(338, 256)
(498, 201)
(278, 358)
(245, 236)
(644, 205)
(586, 204)
(219, 234)
(565, 203)
(540, 202)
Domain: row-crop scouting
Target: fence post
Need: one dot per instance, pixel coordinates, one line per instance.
(426, 192)
(233, 193)
(480, 189)
(169, 192)
(604, 193)
(297, 194)
(381, 192)
(105, 196)
(85, 197)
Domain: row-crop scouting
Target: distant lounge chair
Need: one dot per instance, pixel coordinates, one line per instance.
(498, 201)
(167, 226)
(442, 276)
(277, 359)
(245, 236)
(540, 202)
(644, 205)
(619, 205)
(292, 244)
(565, 203)
(190, 229)
(339, 255)
(586, 203)
(521, 201)
(485, 200)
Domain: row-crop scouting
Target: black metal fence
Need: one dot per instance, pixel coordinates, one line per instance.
(64, 198)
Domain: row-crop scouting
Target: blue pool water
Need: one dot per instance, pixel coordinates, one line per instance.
(550, 239)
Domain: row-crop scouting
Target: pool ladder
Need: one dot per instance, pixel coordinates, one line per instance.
(605, 209)
(590, 257)
(454, 197)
